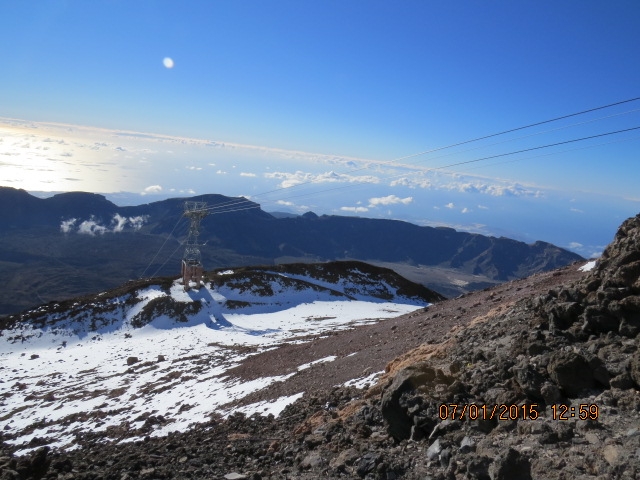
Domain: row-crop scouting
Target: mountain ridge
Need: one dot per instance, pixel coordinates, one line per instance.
(76, 243)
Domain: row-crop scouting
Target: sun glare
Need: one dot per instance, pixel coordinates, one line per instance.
(41, 159)
(26, 163)
(168, 62)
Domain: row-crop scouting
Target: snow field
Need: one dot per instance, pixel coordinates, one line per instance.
(66, 380)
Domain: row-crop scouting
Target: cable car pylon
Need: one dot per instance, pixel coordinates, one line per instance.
(192, 269)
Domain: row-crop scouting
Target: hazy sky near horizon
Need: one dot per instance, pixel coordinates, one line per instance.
(319, 103)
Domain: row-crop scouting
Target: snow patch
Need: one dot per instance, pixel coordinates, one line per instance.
(363, 382)
(587, 267)
(273, 407)
(304, 366)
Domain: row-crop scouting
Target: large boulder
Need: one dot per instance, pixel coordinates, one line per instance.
(400, 409)
(571, 372)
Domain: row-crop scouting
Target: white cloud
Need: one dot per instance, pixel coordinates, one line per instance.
(91, 227)
(193, 168)
(465, 210)
(482, 207)
(119, 222)
(575, 245)
(493, 189)
(354, 209)
(297, 178)
(515, 190)
(465, 184)
(151, 189)
(221, 172)
(576, 210)
(138, 222)
(246, 174)
(450, 205)
(412, 183)
(389, 200)
(67, 225)
(285, 203)
(190, 191)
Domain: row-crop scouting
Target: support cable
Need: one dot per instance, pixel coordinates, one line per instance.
(410, 165)
(538, 148)
(180, 244)
(522, 128)
(162, 246)
(255, 206)
(239, 202)
(342, 187)
(552, 153)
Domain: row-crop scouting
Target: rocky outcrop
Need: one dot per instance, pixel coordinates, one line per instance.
(619, 265)
(559, 373)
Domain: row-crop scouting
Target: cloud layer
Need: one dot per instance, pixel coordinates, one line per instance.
(288, 179)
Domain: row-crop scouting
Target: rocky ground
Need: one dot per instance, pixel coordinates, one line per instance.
(533, 379)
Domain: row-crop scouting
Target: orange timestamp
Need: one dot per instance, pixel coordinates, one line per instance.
(585, 411)
(472, 411)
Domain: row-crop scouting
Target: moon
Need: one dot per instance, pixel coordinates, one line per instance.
(168, 62)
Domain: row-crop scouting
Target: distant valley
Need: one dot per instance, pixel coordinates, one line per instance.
(77, 243)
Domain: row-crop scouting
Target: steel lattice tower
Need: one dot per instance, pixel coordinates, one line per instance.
(192, 269)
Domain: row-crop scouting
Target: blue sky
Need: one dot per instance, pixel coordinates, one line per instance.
(266, 95)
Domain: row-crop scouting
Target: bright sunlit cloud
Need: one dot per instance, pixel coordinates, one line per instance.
(151, 189)
(290, 179)
(168, 62)
(389, 200)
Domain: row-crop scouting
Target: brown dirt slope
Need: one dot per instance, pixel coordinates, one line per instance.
(376, 345)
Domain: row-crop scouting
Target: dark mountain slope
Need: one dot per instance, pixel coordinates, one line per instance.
(19, 209)
(332, 237)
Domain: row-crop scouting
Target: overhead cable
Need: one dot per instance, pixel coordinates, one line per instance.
(234, 202)
(162, 246)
